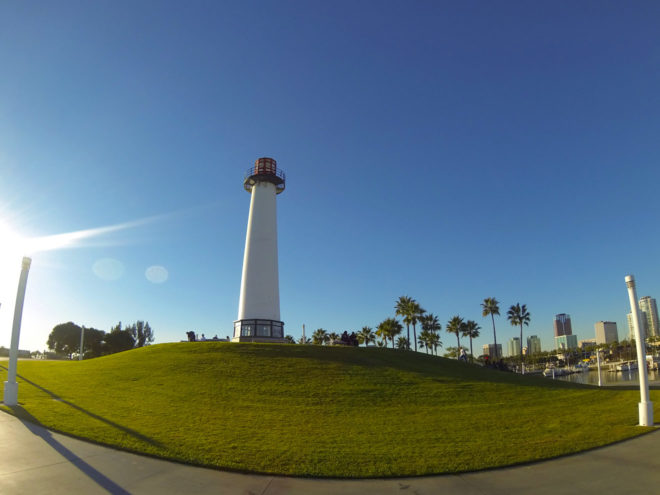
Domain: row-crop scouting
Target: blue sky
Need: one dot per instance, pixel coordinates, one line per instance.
(449, 151)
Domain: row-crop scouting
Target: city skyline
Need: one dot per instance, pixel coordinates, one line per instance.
(444, 152)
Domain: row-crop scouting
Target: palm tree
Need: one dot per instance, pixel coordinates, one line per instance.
(430, 322)
(402, 343)
(366, 336)
(320, 336)
(435, 342)
(472, 331)
(304, 340)
(289, 339)
(491, 307)
(333, 338)
(416, 312)
(402, 308)
(388, 329)
(518, 315)
(455, 326)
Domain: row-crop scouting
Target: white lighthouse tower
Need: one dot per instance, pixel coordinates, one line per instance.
(259, 303)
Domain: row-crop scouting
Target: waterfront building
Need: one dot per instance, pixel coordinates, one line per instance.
(648, 305)
(586, 343)
(490, 351)
(642, 324)
(533, 344)
(562, 325)
(513, 347)
(606, 332)
(566, 342)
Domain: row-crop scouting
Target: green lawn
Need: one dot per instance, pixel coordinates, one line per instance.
(319, 411)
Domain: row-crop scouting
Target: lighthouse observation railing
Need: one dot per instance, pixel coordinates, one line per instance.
(261, 170)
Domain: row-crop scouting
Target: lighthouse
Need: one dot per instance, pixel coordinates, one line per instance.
(259, 303)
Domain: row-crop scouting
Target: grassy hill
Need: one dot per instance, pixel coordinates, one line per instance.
(319, 411)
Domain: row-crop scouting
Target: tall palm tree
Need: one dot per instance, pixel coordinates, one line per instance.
(402, 308)
(333, 338)
(455, 326)
(320, 336)
(388, 329)
(416, 312)
(518, 315)
(366, 336)
(472, 331)
(491, 307)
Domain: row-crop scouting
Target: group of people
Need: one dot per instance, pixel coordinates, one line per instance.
(192, 337)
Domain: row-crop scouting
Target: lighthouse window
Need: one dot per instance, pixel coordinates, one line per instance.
(263, 330)
(277, 330)
(246, 330)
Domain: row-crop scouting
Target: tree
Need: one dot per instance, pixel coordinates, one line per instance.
(289, 339)
(333, 338)
(471, 330)
(403, 308)
(117, 341)
(65, 338)
(366, 336)
(491, 307)
(388, 329)
(304, 340)
(349, 339)
(141, 333)
(320, 337)
(518, 315)
(455, 326)
(402, 343)
(93, 342)
(416, 312)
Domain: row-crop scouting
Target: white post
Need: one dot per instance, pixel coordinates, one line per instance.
(11, 387)
(303, 338)
(82, 338)
(645, 405)
(599, 375)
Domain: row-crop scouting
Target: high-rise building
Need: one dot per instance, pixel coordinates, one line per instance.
(513, 347)
(566, 342)
(642, 324)
(606, 332)
(648, 305)
(563, 325)
(490, 351)
(533, 344)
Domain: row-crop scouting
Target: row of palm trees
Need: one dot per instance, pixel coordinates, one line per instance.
(412, 314)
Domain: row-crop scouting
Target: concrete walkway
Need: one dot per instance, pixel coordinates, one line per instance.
(35, 460)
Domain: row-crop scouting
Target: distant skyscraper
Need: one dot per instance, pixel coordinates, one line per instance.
(566, 342)
(490, 351)
(642, 324)
(606, 332)
(533, 344)
(563, 325)
(649, 306)
(513, 347)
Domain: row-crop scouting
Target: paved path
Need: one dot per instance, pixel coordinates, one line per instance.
(34, 460)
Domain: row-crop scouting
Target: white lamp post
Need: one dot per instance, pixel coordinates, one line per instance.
(645, 405)
(11, 387)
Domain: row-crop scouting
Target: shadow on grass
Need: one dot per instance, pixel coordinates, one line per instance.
(437, 368)
(128, 431)
(35, 427)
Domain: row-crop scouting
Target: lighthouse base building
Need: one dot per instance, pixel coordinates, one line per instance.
(259, 304)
